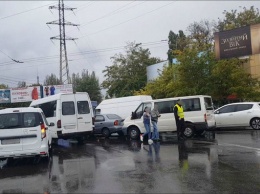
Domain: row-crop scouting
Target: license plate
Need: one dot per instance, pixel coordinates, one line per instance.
(10, 141)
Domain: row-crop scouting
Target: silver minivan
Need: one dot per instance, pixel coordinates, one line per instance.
(24, 133)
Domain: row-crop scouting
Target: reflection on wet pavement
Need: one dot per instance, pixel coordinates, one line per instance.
(116, 165)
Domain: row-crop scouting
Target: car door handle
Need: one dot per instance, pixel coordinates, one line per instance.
(249, 112)
(80, 118)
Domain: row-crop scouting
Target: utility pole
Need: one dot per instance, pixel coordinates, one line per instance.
(64, 67)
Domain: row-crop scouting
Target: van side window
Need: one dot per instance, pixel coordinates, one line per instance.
(165, 106)
(49, 108)
(140, 110)
(68, 108)
(192, 104)
(83, 107)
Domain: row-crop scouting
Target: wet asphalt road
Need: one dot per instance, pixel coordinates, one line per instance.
(224, 162)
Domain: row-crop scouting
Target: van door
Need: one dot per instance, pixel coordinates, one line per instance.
(68, 114)
(10, 132)
(31, 130)
(209, 112)
(167, 120)
(84, 113)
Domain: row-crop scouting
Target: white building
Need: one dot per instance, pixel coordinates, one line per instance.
(154, 71)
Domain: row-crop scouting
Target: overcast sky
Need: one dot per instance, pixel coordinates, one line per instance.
(105, 28)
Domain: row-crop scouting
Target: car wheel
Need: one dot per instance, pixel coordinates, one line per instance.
(188, 131)
(255, 123)
(106, 132)
(134, 133)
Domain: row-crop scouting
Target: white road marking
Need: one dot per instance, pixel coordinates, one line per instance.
(235, 145)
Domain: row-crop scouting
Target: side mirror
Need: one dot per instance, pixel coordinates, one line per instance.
(133, 116)
(51, 124)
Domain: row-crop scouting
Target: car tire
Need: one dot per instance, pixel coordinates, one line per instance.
(133, 133)
(255, 123)
(105, 132)
(188, 131)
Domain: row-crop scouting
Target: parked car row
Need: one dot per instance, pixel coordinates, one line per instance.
(26, 132)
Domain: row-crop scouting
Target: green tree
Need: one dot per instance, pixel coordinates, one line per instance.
(52, 80)
(235, 19)
(165, 86)
(87, 82)
(128, 72)
(229, 77)
(201, 33)
(3, 86)
(176, 42)
(21, 84)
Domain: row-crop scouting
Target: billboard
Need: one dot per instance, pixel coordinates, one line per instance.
(238, 42)
(5, 96)
(27, 94)
(56, 89)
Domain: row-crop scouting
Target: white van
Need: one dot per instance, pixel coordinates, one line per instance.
(198, 112)
(121, 106)
(71, 113)
(24, 133)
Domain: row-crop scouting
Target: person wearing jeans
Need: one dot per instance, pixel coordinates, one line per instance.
(154, 117)
(147, 125)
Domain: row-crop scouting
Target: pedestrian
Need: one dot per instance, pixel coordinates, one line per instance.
(154, 118)
(52, 90)
(147, 125)
(179, 118)
(46, 89)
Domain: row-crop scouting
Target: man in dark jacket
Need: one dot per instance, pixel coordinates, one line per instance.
(179, 118)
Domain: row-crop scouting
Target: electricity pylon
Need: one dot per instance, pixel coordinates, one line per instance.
(64, 68)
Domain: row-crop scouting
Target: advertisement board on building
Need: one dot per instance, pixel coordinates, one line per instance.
(238, 42)
(5, 96)
(56, 89)
(28, 94)
(25, 94)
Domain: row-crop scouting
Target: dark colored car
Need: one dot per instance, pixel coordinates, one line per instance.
(106, 124)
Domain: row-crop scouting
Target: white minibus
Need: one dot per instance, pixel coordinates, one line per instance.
(72, 114)
(198, 112)
(122, 106)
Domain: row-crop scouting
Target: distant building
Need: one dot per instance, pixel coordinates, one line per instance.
(253, 66)
(154, 71)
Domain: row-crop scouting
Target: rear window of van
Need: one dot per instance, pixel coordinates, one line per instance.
(19, 120)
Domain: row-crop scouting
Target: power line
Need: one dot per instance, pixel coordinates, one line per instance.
(11, 58)
(40, 59)
(24, 11)
(127, 20)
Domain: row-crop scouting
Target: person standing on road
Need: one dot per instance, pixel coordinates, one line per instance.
(154, 117)
(147, 125)
(179, 118)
